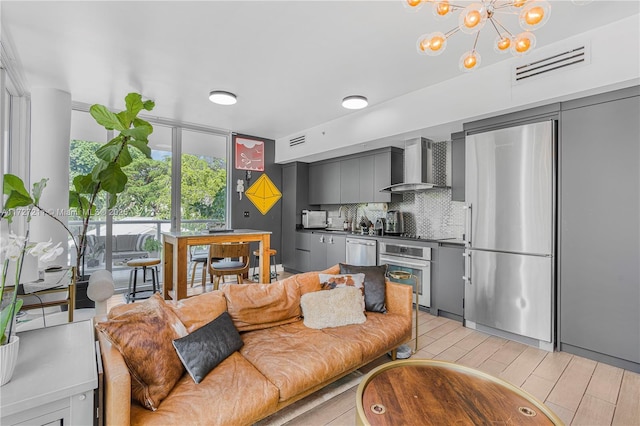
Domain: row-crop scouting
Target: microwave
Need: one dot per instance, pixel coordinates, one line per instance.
(314, 219)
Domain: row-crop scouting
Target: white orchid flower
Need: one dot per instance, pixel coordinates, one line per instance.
(12, 247)
(46, 251)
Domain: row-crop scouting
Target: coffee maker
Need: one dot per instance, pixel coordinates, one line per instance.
(394, 225)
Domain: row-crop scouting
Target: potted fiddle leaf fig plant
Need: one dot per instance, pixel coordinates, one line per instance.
(107, 176)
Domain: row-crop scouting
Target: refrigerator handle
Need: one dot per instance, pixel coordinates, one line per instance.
(467, 225)
(467, 267)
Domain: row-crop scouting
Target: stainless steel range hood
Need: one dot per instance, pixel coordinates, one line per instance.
(422, 170)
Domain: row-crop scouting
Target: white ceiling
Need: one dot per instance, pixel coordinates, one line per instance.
(289, 62)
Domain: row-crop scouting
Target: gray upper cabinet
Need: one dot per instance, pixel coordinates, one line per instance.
(599, 246)
(367, 174)
(350, 180)
(356, 178)
(457, 166)
(324, 183)
(388, 170)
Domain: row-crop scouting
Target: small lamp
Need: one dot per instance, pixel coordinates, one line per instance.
(404, 275)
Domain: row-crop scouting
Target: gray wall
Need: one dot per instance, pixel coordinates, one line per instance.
(272, 221)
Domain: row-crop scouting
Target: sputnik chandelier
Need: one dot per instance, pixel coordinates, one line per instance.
(532, 14)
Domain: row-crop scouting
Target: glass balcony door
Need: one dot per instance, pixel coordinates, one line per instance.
(155, 194)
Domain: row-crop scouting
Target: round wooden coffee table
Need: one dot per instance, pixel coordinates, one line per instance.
(423, 392)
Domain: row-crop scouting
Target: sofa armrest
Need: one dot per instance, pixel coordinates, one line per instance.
(117, 383)
(399, 298)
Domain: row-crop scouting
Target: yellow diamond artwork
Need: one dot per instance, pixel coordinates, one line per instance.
(263, 194)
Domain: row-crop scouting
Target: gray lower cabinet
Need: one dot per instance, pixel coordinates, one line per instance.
(599, 228)
(447, 288)
(316, 251)
(336, 247)
(303, 251)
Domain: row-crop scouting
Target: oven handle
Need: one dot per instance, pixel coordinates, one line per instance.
(399, 262)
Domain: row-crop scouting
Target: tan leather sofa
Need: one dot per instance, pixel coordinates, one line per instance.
(276, 366)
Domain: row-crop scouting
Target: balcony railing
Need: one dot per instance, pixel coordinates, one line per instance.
(97, 257)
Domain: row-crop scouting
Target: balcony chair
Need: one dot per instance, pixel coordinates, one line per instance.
(228, 266)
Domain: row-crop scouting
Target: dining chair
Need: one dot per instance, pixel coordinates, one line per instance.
(235, 261)
(198, 256)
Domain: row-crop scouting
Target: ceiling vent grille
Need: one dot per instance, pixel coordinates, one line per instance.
(298, 140)
(568, 59)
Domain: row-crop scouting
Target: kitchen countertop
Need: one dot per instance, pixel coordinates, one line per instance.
(449, 240)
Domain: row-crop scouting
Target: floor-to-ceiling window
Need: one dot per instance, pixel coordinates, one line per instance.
(203, 185)
(14, 146)
(145, 208)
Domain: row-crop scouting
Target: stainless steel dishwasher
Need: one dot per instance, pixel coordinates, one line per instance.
(362, 252)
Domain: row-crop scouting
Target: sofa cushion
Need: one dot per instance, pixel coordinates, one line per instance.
(126, 242)
(380, 331)
(330, 281)
(144, 335)
(315, 356)
(334, 308)
(374, 284)
(195, 312)
(205, 348)
(235, 393)
(310, 281)
(256, 306)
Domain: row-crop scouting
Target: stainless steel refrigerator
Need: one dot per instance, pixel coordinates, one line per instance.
(510, 230)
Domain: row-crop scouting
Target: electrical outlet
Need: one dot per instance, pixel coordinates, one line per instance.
(246, 214)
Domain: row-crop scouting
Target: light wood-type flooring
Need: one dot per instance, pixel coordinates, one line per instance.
(580, 391)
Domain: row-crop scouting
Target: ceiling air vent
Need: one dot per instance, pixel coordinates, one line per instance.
(297, 140)
(568, 59)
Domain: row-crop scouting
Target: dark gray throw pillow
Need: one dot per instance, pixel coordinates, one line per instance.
(205, 348)
(374, 285)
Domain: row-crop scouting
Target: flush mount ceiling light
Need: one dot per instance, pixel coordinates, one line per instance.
(532, 14)
(221, 97)
(355, 102)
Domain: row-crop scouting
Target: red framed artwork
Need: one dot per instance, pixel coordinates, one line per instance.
(249, 154)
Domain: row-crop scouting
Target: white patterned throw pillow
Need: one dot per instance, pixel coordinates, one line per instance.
(335, 308)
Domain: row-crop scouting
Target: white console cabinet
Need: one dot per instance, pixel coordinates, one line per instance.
(55, 378)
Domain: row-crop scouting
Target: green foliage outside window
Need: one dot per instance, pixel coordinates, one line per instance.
(148, 190)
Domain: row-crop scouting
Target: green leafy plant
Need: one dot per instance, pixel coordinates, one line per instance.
(107, 176)
(13, 249)
(151, 245)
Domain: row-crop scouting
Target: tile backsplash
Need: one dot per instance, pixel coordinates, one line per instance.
(430, 214)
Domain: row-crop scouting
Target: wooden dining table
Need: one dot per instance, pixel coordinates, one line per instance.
(176, 249)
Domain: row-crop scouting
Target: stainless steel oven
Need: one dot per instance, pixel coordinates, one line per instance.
(410, 258)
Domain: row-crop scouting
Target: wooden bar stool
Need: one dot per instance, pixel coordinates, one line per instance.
(143, 263)
(272, 258)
